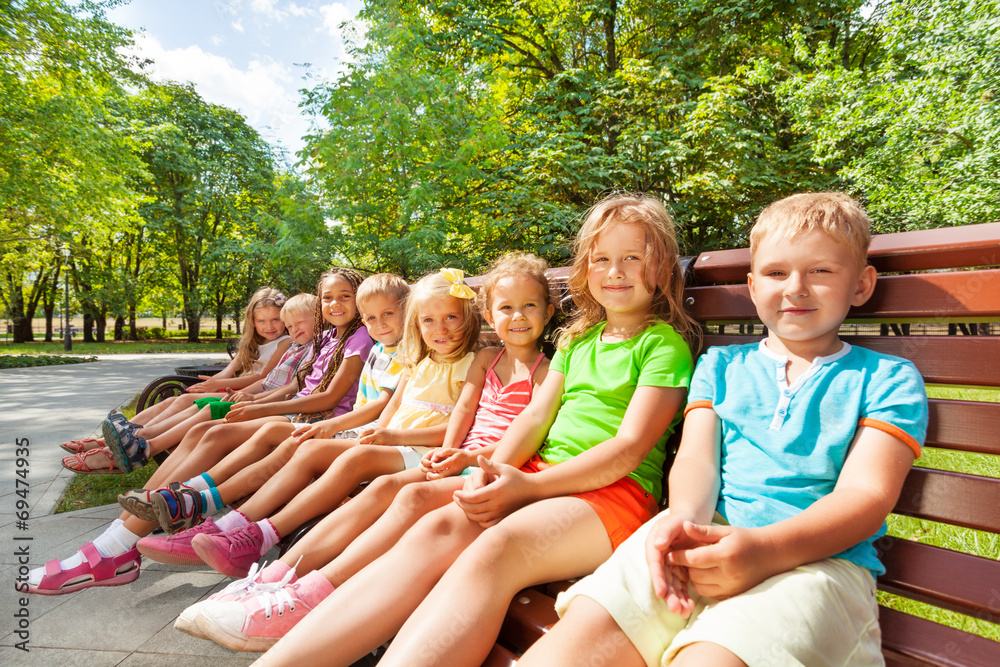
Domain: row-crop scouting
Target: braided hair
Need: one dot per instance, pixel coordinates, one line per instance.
(325, 329)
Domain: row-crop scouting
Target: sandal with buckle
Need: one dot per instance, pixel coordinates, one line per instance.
(96, 570)
(127, 448)
(78, 463)
(78, 446)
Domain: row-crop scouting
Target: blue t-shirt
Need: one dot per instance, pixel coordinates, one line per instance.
(783, 447)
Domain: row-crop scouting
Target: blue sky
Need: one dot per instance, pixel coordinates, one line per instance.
(251, 55)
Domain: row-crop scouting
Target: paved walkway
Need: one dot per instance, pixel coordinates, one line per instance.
(122, 625)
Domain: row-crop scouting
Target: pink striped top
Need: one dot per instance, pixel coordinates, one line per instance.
(498, 406)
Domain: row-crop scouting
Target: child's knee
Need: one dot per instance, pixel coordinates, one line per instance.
(384, 488)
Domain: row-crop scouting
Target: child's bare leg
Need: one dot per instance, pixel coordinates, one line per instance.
(550, 540)
(358, 464)
(173, 435)
(221, 439)
(161, 426)
(586, 635)
(350, 521)
(166, 408)
(255, 448)
(706, 653)
(252, 477)
(410, 504)
(370, 608)
(307, 460)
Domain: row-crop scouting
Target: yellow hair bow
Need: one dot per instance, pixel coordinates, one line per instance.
(459, 289)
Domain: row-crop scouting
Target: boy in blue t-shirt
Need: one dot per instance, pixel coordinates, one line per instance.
(793, 453)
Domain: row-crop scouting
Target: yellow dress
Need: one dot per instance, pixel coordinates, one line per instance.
(431, 393)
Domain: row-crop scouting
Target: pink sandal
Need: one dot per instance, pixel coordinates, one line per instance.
(78, 463)
(80, 446)
(96, 570)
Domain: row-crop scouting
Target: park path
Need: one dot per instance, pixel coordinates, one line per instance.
(127, 625)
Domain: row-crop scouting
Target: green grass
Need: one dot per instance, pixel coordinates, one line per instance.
(85, 491)
(114, 347)
(28, 360)
(966, 540)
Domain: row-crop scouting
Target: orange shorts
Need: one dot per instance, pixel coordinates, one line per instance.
(622, 507)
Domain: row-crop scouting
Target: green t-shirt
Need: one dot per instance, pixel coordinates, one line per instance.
(600, 381)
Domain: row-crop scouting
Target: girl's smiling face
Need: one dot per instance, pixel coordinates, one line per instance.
(519, 310)
(337, 298)
(616, 277)
(267, 322)
(441, 323)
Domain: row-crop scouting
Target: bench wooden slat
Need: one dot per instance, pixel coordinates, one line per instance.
(500, 657)
(966, 425)
(530, 615)
(949, 579)
(969, 294)
(940, 359)
(972, 245)
(908, 640)
(951, 497)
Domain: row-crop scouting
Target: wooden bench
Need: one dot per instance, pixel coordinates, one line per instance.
(932, 283)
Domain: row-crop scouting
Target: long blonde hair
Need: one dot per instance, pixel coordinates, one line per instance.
(248, 350)
(412, 348)
(660, 259)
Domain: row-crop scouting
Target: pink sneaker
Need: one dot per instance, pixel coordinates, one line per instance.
(257, 621)
(232, 552)
(274, 576)
(176, 549)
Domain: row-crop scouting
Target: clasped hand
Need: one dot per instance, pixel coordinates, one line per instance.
(718, 561)
(494, 491)
(444, 462)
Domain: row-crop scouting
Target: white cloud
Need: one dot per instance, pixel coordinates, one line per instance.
(297, 11)
(237, 25)
(333, 15)
(265, 92)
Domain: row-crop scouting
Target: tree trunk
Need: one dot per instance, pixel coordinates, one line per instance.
(132, 333)
(88, 327)
(50, 309)
(119, 328)
(102, 325)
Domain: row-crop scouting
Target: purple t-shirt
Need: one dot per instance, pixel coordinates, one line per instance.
(359, 344)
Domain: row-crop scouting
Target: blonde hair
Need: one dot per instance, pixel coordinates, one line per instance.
(300, 304)
(383, 284)
(248, 350)
(660, 259)
(514, 264)
(837, 215)
(353, 278)
(412, 348)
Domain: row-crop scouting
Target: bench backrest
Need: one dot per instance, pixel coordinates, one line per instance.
(937, 304)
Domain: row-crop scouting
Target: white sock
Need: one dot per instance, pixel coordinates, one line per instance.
(234, 519)
(209, 506)
(197, 483)
(271, 536)
(114, 541)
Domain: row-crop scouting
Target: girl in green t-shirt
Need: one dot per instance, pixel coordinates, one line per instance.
(577, 471)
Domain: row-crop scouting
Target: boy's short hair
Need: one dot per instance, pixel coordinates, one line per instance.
(838, 215)
(300, 304)
(383, 284)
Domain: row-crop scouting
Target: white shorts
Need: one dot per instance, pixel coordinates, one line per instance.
(823, 613)
(413, 455)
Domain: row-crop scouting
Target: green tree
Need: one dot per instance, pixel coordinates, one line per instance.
(63, 167)
(210, 175)
(916, 125)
